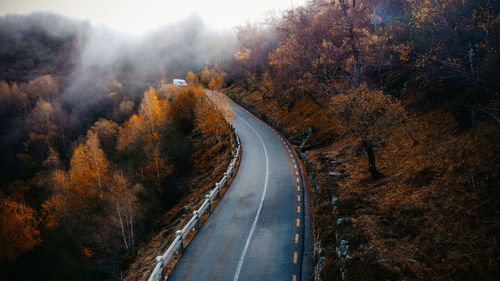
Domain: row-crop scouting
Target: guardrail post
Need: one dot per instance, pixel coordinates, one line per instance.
(209, 202)
(178, 233)
(217, 190)
(196, 225)
(235, 160)
(227, 179)
(159, 260)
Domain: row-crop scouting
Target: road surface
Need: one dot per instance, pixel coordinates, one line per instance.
(261, 229)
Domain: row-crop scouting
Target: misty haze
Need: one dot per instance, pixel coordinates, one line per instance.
(262, 140)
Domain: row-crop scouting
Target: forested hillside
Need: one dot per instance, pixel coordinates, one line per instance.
(394, 106)
(98, 151)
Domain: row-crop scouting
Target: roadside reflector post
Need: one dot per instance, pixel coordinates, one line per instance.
(178, 233)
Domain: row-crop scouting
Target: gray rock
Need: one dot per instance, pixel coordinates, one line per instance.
(334, 174)
(344, 243)
(342, 220)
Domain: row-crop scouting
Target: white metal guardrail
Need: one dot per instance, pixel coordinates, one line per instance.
(194, 223)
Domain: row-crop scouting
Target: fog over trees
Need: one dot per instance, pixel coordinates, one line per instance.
(96, 143)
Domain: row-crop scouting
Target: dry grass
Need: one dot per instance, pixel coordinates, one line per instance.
(433, 216)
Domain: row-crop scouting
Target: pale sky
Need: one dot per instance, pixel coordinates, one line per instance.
(138, 16)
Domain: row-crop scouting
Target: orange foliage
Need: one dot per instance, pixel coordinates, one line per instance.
(18, 229)
(89, 167)
(191, 78)
(151, 117)
(50, 210)
(79, 190)
(215, 83)
(88, 253)
(211, 119)
(156, 168)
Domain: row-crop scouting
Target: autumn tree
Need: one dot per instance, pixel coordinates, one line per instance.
(205, 76)
(151, 117)
(156, 168)
(141, 134)
(255, 43)
(191, 78)
(107, 132)
(123, 110)
(13, 101)
(325, 47)
(125, 207)
(19, 231)
(208, 74)
(43, 87)
(370, 115)
(212, 120)
(78, 194)
(93, 196)
(46, 123)
(182, 106)
(216, 82)
(221, 102)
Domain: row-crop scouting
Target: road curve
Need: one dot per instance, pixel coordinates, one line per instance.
(261, 229)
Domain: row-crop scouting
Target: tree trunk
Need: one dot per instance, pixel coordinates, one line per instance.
(415, 141)
(122, 226)
(131, 222)
(371, 160)
(352, 41)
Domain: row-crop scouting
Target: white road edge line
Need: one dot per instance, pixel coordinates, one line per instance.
(242, 258)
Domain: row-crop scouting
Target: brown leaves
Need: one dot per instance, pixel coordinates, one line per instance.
(367, 113)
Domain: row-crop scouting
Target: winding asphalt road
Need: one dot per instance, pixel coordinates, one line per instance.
(261, 229)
